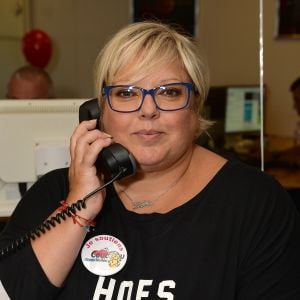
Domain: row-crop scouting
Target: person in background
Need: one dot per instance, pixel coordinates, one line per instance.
(295, 90)
(188, 224)
(292, 155)
(29, 82)
(294, 152)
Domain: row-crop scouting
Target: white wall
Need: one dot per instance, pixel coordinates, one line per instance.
(14, 20)
(79, 29)
(229, 32)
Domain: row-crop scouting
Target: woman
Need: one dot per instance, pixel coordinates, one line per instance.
(187, 225)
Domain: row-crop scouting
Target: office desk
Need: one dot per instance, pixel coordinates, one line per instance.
(280, 157)
(283, 150)
(290, 179)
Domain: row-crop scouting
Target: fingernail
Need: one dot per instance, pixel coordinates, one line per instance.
(108, 137)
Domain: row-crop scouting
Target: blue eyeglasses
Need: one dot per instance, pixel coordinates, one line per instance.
(167, 97)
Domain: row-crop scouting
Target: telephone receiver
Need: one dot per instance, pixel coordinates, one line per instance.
(114, 161)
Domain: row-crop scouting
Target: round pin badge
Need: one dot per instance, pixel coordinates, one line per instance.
(104, 255)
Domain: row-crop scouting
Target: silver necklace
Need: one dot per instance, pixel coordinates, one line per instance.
(148, 202)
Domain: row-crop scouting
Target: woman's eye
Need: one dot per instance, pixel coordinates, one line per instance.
(170, 92)
(125, 93)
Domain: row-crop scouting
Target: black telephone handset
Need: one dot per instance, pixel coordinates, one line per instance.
(114, 162)
(115, 159)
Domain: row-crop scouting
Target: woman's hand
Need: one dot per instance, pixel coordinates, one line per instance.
(86, 144)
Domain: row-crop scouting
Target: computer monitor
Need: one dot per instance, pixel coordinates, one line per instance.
(34, 139)
(235, 110)
(242, 112)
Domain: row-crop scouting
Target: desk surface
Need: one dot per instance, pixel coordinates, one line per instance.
(289, 179)
(279, 143)
(284, 151)
(281, 159)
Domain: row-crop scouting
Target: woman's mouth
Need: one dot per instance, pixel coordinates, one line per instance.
(148, 135)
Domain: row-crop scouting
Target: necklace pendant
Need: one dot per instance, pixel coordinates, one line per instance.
(141, 204)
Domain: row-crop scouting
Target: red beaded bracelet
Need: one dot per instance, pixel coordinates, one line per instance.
(76, 217)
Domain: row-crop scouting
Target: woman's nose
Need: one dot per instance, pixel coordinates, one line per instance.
(149, 108)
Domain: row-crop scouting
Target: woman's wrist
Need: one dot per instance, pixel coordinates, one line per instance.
(90, 207)
(78, 219)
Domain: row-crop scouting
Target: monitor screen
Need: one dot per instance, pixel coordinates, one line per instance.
(242, 112)
(34, 139)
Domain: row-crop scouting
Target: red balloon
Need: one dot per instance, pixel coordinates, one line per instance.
(37, 48)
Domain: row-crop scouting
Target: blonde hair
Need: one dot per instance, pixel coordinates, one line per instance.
(150, 44)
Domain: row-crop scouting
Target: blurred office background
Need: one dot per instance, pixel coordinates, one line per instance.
(228, 31)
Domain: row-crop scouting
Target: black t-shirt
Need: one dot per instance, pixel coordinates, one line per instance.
(239, 238)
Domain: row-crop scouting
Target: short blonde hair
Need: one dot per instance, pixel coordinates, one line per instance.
(153, 43)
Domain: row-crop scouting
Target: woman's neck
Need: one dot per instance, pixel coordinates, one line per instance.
(149, 189)
(164, 190)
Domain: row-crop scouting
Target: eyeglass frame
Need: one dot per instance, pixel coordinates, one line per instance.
(106, 90)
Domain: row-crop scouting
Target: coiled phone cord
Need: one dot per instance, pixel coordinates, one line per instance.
(53, 221)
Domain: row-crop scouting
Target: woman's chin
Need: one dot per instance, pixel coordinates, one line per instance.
(149, 164)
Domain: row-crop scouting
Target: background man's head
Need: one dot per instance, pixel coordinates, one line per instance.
(295, 89)
(29, 83)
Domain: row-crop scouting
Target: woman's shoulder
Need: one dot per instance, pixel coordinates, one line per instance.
(233, 175)
(247, 174)
(237, 169)
(53, 184)
(248, 185)
(57, 175)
